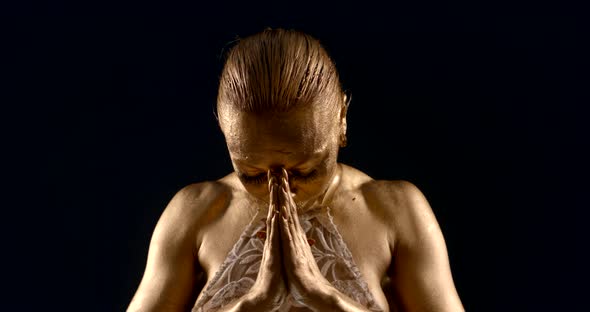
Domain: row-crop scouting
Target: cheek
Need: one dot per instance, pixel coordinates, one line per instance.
(310, 189)
(259, 191)
(315, 186)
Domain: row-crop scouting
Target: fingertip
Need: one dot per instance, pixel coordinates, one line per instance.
(270, 208)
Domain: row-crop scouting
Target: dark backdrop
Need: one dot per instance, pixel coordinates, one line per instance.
(110, 111)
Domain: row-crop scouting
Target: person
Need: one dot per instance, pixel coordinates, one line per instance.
(291, 228)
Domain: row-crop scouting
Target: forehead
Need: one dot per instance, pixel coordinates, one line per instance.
(298, 134)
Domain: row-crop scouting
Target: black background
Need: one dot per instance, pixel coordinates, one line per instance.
(109, 111)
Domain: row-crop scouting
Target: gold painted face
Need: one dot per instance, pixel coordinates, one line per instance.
(303, 141)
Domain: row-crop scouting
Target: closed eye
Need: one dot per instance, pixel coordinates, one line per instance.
(257, 179)
(306, 177)
(262, 178)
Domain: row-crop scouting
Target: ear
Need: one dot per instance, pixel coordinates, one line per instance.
(343, 125)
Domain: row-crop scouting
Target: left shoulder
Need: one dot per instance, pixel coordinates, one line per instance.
(398, 197)
(400, 191)
(405, 208)
(420, 270)
(398, 204)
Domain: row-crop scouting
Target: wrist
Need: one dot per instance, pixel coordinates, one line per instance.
(238, 305)
(330, 299)
(250, 301)
(323, 299)
(259, 302)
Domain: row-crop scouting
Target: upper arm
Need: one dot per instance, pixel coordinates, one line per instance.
(420, 270)
(169, 276)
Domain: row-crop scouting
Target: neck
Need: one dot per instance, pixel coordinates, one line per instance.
(326, 197)
(329, 194)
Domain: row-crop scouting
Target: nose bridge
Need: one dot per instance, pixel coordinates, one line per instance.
(277, 171)
(274, 171)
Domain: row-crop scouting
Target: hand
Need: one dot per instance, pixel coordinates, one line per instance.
(305, 280)
(269, 290)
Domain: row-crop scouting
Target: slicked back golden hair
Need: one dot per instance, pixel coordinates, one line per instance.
(277, 70)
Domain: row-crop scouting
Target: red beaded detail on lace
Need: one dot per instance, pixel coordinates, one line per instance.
(261, 235)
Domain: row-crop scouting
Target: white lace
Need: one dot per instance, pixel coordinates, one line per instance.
(238, 272)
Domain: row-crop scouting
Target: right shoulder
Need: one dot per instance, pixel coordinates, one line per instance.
(169, 277)
(192, 208)
(194, 198)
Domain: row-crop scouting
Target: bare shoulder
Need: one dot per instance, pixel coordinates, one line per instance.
(192, 207)
(399, 204)
(401, 200)
(194, 199)
(394, 196)
(170, 272)
(198, 195)
(419, 270)
(355, 178)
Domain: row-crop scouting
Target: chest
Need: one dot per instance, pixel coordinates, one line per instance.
(357, 230)
(368, 240)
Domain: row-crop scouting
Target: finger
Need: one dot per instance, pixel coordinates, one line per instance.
(271, 179)
(271, 214)
(287, 238)
(285, 216)
(285, 184)
(285, 173)
(272, 235)
(291, 209)
(272, 203)
(271, 254)
(292, 234)
(289, 212)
